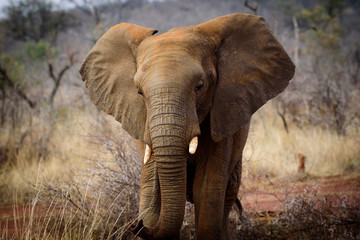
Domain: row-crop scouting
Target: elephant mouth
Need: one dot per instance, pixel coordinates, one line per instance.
(192, 149)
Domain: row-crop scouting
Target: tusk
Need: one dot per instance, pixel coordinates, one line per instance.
(193, 145)
(147, 154)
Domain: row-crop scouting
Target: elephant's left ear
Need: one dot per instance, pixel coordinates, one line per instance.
(108, 72)
(252, 67)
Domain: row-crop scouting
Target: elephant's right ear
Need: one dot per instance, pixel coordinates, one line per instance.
(252, 67)
(108, 72)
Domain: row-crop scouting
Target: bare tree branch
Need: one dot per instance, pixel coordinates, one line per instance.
(252, 8)
(51, 71)
(57, 79)
(296, 42)
(12, 85)
(282, 115)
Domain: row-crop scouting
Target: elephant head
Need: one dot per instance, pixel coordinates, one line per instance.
(162, 87)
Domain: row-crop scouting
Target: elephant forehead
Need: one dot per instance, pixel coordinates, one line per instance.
(174, 42)
(164, 68)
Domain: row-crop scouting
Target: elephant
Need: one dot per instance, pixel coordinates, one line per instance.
(187, 97)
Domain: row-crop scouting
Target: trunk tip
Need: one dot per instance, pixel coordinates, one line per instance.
(136, 228)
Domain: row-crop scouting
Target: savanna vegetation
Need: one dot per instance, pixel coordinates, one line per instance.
(68, 171)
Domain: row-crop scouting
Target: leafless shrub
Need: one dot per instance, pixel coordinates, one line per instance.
(104, 197)
(307, 215)
(322, 217)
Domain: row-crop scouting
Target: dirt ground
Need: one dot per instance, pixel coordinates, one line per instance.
(261, 196)
(14, 219)
(264, 194)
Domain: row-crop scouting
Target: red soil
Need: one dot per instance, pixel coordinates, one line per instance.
(264, 195)
(13, 220)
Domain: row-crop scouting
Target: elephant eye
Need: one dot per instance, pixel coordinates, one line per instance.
(199, 85)
(140, 92)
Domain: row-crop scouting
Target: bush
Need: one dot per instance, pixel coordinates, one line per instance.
(40, 50)
(35, 20)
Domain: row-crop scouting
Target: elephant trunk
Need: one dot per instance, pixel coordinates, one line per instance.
(172, 178)
(167, 125)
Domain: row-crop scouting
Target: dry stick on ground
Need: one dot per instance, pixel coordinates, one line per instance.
(57, 79)
(252, 8)
(5, 77)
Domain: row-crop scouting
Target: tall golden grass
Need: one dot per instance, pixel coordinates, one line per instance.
(270, 150)
(85, 176)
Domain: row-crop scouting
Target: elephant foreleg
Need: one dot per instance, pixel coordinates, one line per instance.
(235, 168)
(231, 197)
(209, 190)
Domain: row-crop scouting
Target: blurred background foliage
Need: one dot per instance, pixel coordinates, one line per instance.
(35, 20)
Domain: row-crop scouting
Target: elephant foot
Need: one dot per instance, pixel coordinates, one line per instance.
(136, 228)
(225, 235)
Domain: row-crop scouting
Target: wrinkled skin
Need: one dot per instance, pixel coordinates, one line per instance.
(206, 81)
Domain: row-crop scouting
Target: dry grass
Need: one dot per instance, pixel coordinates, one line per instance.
(305, 216)
(86, 179)
(44, 147)
(271, 150)
(83, 175)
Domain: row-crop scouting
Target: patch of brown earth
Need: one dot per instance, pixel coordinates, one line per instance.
(14, 220)
(262, 194)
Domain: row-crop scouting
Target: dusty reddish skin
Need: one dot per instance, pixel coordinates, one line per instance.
(241, 66)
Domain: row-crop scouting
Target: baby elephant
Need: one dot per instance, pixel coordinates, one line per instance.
(187, 95)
